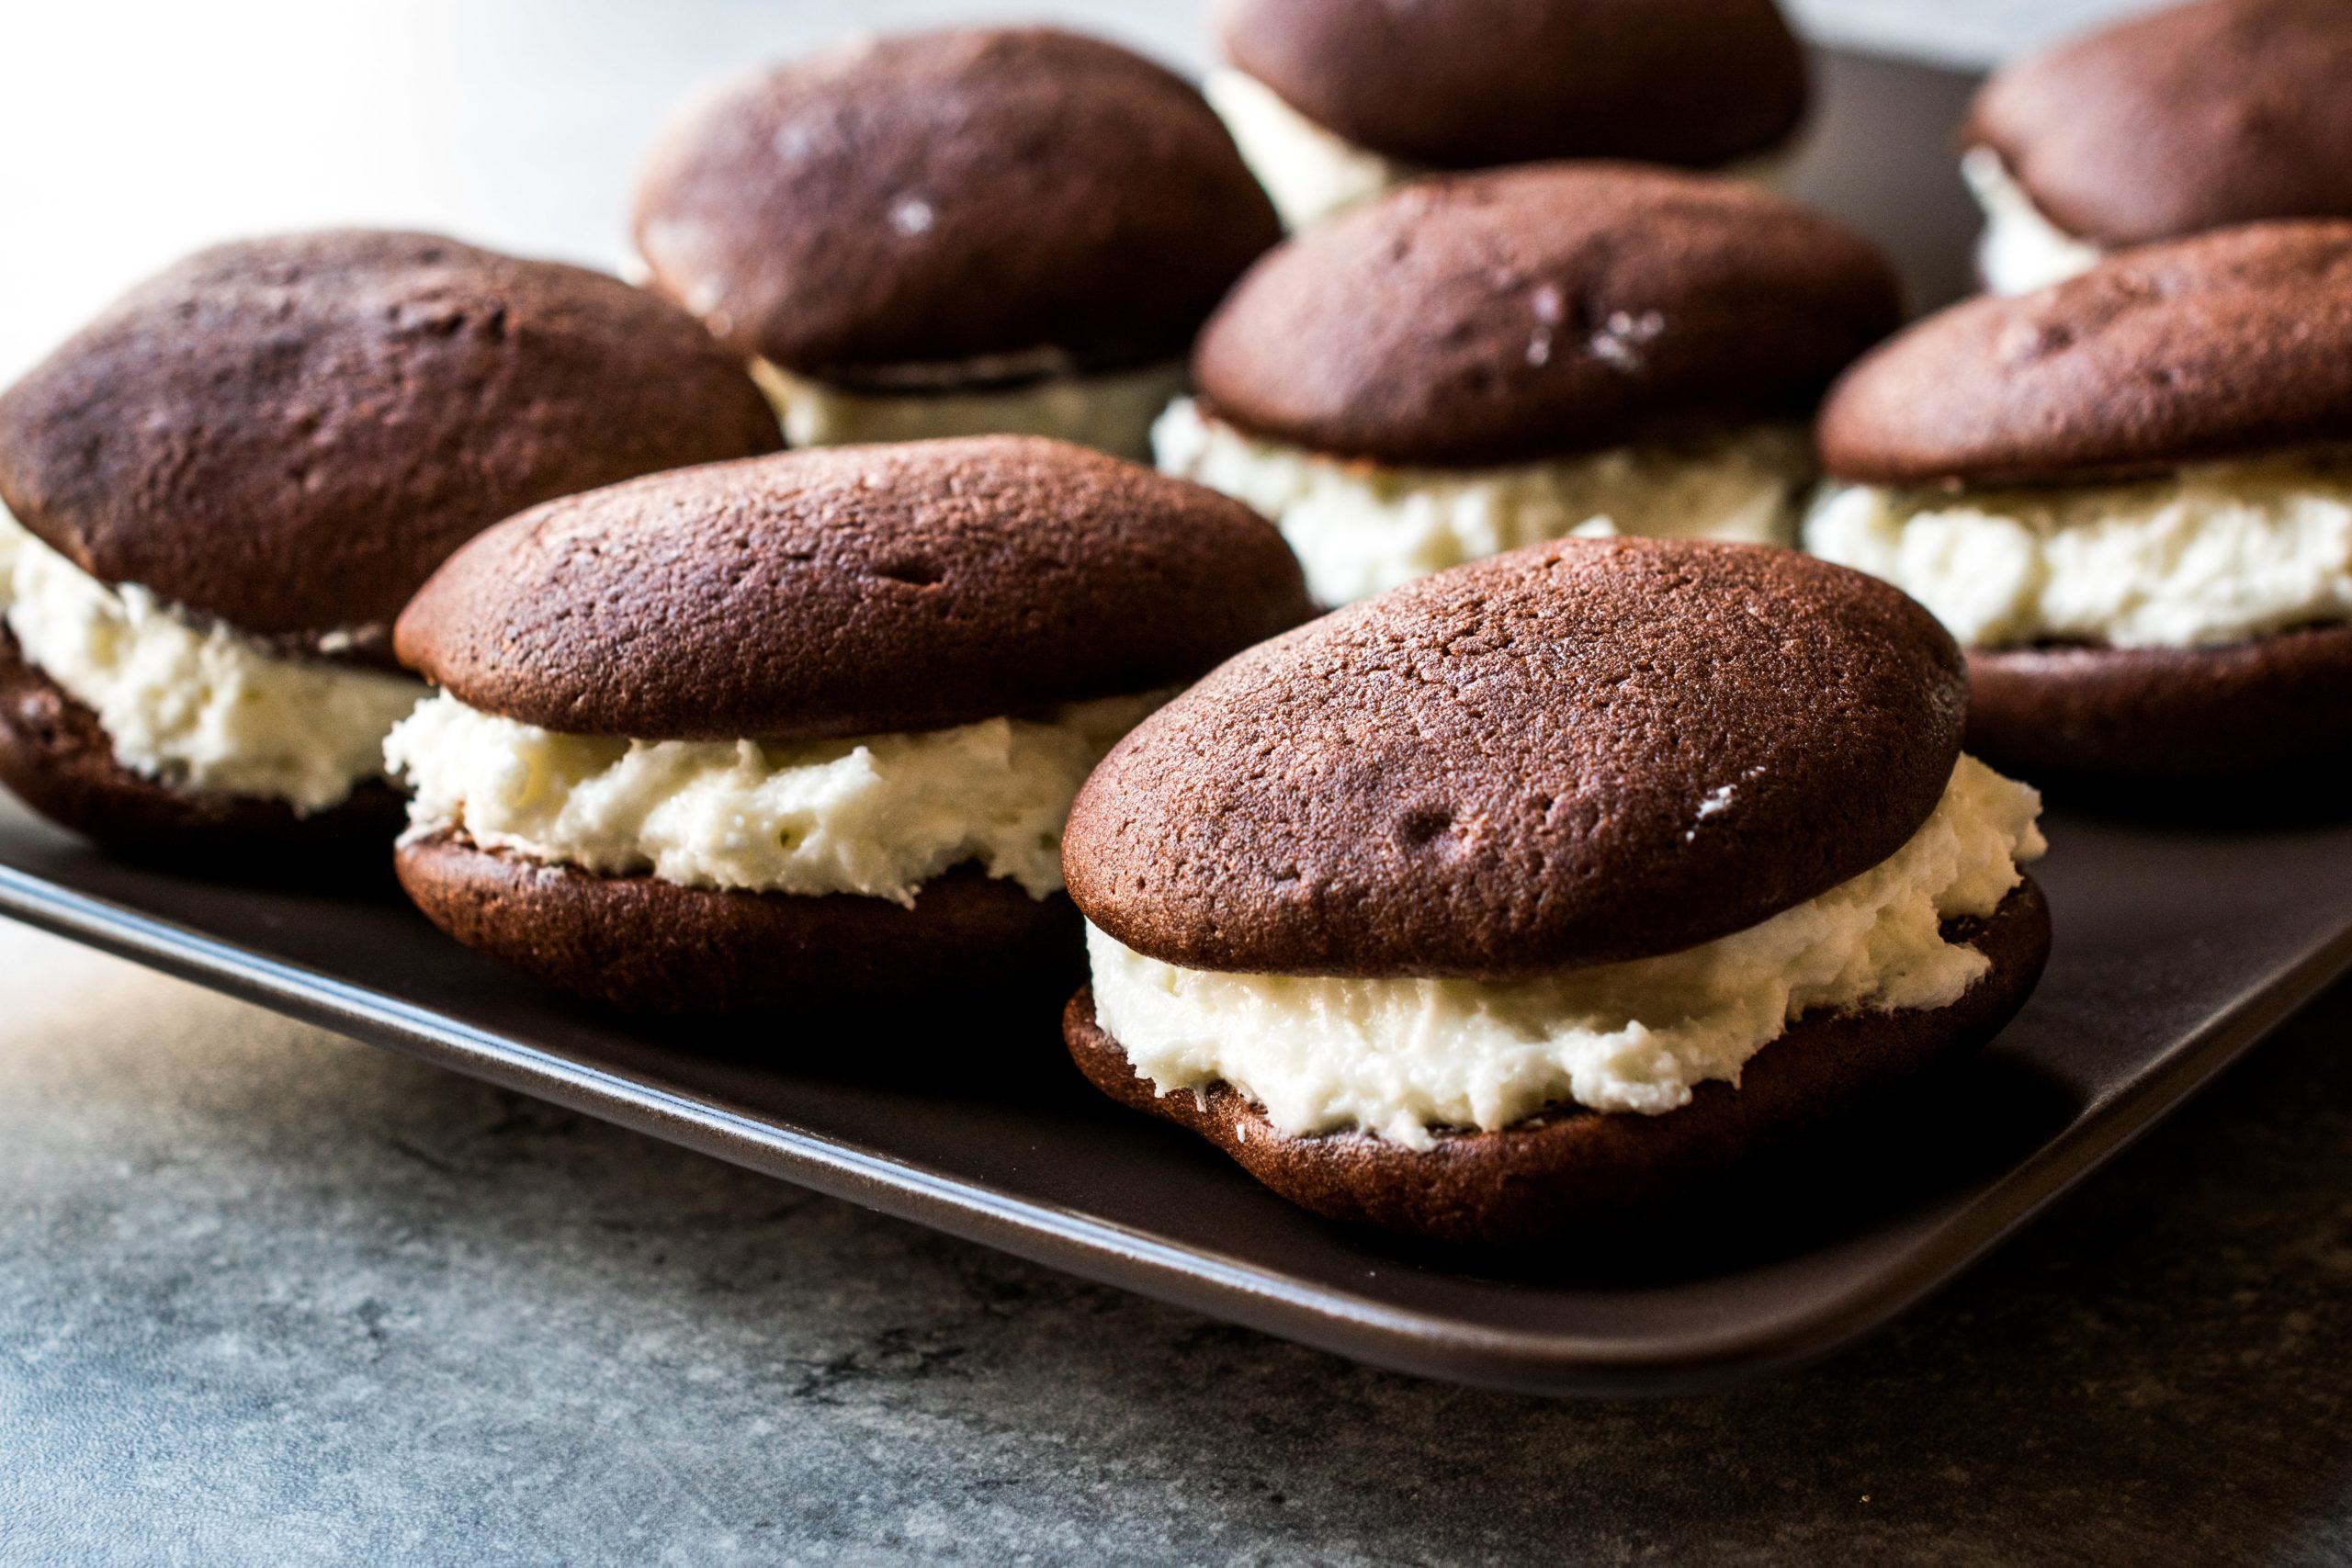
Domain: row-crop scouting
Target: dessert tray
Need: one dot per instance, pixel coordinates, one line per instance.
(2176, 948)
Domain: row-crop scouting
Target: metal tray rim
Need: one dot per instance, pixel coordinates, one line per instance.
(1328, 1317)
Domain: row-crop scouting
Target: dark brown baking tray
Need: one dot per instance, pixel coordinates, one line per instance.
(2176, 950)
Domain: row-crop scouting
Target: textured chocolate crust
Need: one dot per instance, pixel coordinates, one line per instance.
(943, 196)
(1461, 85)
(648, 946)
(1530, 312)
(2191, 117)
(2164, 712)
(1577, 752)
(2213, 348)
(56, 757)
(1570, 1173)
(850, 591)
(289, 433)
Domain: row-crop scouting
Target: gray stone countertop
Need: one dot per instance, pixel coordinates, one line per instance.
(268, 1296)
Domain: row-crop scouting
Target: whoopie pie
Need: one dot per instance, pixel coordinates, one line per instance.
(2130, 496)
(2192, 118)
(1529, 898)
(945, 233)
(767, 735)
(1334, 101)
(1470, 365)
(220, 493)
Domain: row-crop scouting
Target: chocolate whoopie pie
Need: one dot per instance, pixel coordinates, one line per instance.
(1529, 899)
(956, 233)
(767, 735)
(2194, 117)
(1470, 365)
(220, 492)
(2130, 495)
(1334, 101)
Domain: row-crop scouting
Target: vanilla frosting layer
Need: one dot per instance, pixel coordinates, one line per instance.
(1310, 172)
(877, 815)
(2213, 554)
(1113, 413)
(1360, 528)
(1399, 1058)
(2021, 249)
(1313, 172)
(196, 708)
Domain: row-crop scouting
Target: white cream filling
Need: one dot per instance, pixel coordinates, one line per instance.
(1310, 172)
(2213, 554)
(1313, 172)
(1360, 528)
(877, 815)
(2021, 249)
(1113, 413)
(1399, 1058)
(196, 708)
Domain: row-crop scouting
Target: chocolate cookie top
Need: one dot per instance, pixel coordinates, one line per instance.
(850, 591)
(1579, 752)
(2201, 115)
(1463, 86)
(290, 433)
(950, 196)
(1536, 311)
(2220, 347)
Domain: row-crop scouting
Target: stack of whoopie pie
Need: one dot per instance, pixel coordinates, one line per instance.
(1474, 364)
(2195, 117)
(772, 734)
(989, 230)
(222, 491)
(1518, 901)
(2130, 495)
(1334, 101)
(1593, 847)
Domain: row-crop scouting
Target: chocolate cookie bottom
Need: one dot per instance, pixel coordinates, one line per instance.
(1569, 1172)
(2161, 713)
(644, 946)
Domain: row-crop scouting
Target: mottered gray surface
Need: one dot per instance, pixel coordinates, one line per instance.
(270, 1296)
